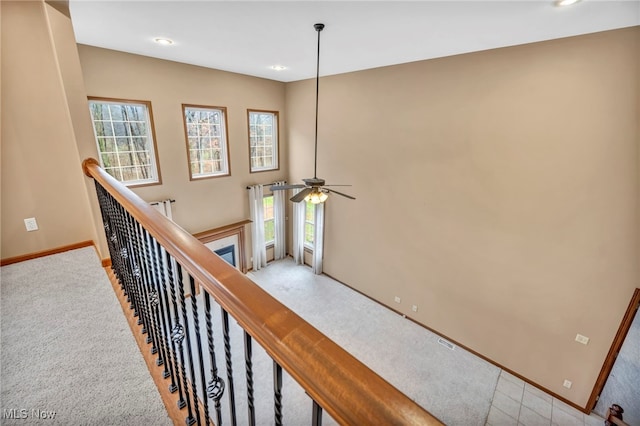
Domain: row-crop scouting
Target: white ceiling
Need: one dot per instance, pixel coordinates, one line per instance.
(249, 37)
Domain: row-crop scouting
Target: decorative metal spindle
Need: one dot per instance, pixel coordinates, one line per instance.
(113, 215)
(152, 284)
(215, 388)
(142, 278)
(316, 415)
(144, 282)
(196, 326)
(109, 217)
(154, 300)
(106, 220)
(103, 201)
(277, 393)
(162, 306)
(249, 370)
(117, 263)
(185, 333)
(174, 332)
(118, 238)
(227, 357)
(135, 271)
(122, 240)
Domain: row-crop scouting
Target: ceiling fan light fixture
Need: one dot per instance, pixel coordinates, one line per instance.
(316, 196)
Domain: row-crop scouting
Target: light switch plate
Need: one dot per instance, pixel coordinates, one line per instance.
(582, 339)
(31, 224)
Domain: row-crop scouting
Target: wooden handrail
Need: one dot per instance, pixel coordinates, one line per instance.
(343, 386)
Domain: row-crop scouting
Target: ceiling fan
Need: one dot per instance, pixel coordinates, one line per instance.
(314, 189)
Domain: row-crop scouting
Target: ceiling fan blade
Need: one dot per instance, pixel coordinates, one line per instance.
(336, 185)
(340, 193)
(281, 187)
(300, 195)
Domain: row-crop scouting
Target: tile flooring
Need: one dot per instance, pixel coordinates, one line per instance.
(516, 403)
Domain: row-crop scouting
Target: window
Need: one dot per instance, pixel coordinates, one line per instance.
(263, 140)
(206, 135)
(269, 220)
(309, 224)
(125, 138)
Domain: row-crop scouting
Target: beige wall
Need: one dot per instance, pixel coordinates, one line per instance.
(497, 191)
(41, 174)
(73, 82)
(203, 204)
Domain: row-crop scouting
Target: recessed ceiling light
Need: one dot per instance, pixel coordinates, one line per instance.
(163, 41)
(565, 2)
(278, 67)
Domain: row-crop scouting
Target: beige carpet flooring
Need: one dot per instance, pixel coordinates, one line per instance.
(67, 350)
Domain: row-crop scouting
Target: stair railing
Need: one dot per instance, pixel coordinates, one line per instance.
(160, 266)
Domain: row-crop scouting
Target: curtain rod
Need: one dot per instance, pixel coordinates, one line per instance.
(153, 203)
(268, 184)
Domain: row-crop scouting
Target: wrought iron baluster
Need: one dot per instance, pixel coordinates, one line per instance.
(196, 326)
(163, 307)
(145, 282)
(106, 211)
(128, 270)
(227, 357)
(110, 212)
(156, 303)
(249, 371)
(122, 243)
(141, 260)
(176, 340)
(277, 393)
(136, 272)
(185, 333)
(151, 268)
(118, 263)
(215, 388)
(316, 415)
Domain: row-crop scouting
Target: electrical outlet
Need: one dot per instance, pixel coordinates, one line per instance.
(397, 299)
(567, 384)
(582, 339)
(414, 308)
(31, 224)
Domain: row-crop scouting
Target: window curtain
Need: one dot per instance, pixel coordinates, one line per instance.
(318, 239)
(298, 230)
(256, 210)
(279, 206)
(167, 209)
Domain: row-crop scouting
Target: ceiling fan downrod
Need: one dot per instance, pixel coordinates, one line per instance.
(318, 27)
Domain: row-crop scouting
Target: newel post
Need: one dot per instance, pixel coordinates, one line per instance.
(88, 163)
